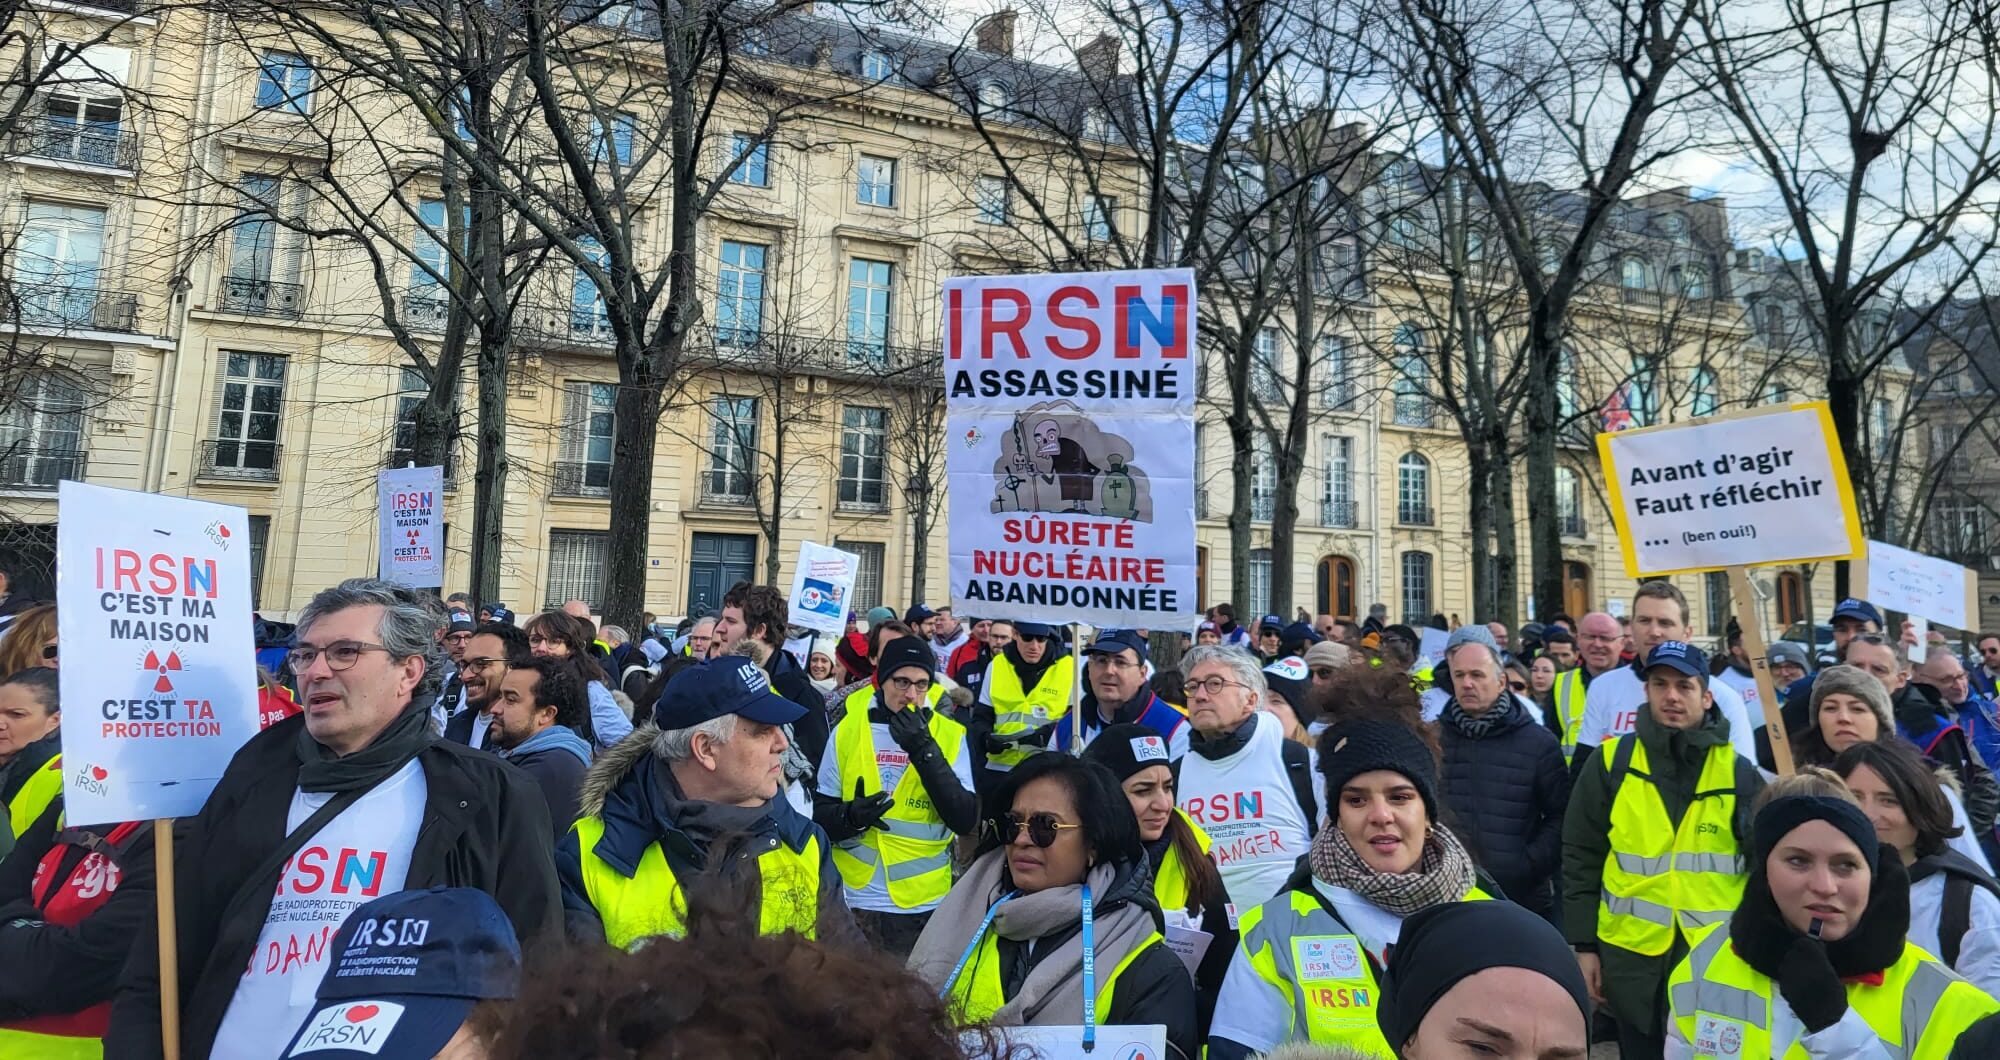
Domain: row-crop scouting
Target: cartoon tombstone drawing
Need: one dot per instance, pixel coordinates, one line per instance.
(1120, 495)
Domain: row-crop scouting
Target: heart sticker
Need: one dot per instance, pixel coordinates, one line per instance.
(98, 772)
(362, 1013)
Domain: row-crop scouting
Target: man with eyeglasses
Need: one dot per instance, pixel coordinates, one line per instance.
(1974, 713)
(894, 787)
(451, 695)
(1246, 785)
(353, 798)
(1116, 693)
(492, 651)
(1985, 674)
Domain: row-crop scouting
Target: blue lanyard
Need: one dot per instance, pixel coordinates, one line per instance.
(1089, 963)
(973, 947)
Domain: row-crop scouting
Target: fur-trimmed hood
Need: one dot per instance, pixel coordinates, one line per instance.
(612, 766)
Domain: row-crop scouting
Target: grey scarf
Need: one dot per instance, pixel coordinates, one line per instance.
(1052, 994)
(1479, 726)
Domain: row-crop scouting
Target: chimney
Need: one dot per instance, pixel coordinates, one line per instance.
(1099, 59)
(994, 34)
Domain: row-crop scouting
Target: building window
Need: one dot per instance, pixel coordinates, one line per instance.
(583, 469)
(1704, 395)
(1642, 393)
(877, 66)
(264, 258)
(1776, 392)
(463, 116)
(1634, 274)
(868, 310)
(617, 146)
(1337, 490)
(1337, 392)
(1097, 124)
(1881, 424)
(41, 433)
(1200, 471)
(284, 82)
(1260, 581)
(754, 167)
(430, 267)
(1097, 214)
(588, 318)
(867, 573)
(864, 436)
(1959, 528)
(1412, 386)
(1566, 387)
(56, 269)
(1948, 449)
(1416, 587)
(990, 198)
(1693, 280)
(732, 447)
(739, 293)
(875, 183)
(82, 129)
(411, 390)
(1772, 319)
(994, 95)
(1716, 586)
(1413, 490)
(576, 567)
(246, 423)
(1266, 384)
(260, 545)
(1569, 502)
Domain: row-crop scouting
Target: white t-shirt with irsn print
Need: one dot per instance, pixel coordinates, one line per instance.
(357, 857)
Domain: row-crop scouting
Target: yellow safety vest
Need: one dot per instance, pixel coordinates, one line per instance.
(1016, 710)
(648, 903)
(911, 845)
(34, 797)
(1568, 695)
(1657, 877)
(978, 994)
(1170, 884)
(1723, 1006)
(1306, 954)
(28, 1045)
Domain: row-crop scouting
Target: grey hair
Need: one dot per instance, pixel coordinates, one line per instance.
(614, 633)
(1499, 664)
(677, 745)
(1939, 652)
(1241, 663)
(409, 626)
(710, 619)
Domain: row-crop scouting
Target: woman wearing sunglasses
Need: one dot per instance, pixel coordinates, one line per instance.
(1007, 945)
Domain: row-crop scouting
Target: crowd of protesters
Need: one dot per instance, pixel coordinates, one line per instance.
(467, 833)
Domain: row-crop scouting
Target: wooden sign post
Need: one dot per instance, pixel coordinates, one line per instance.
(1753, 645)
(1076, 687)
(170, 938)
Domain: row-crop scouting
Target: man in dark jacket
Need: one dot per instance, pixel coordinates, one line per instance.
(535, 720)
(347, 800)
(759, 613)
(1116, 693)
(492, 651)
(1504, 776)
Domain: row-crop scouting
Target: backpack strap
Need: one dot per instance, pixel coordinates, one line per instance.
(1955, 917)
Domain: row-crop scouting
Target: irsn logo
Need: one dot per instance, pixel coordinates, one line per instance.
(358, 1026)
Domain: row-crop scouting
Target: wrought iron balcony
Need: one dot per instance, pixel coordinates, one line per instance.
(724, 490)
(756, 349)
(1337, 513)
(60, 139)
(1413, 412)
(232, 458)
(1414, 515)
(70, 306)
(425, 307)
(271, 298)
(1573, 526)
(1262, 508)
(28, 467)
(581, 478)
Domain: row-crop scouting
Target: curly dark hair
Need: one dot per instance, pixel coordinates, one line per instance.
(1372, 692)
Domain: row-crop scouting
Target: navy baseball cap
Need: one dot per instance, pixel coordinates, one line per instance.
(726, 684)
(1034, 629)
(461, 622)
(1862, 609)
(1684, 658)
(1301, 633)
(1270, 624)
(407, 968)
(918, 613)
(1112, 641)
(501, 614)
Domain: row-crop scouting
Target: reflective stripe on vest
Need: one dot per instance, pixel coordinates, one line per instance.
(648, 903)
(912, 839)
(1170, 884)
(28, 1045)
(1568, 696)
(978, 993)
(1016, 711)
(1321, 969)
(1723, 1006)
(1657, 877)
(34, 797)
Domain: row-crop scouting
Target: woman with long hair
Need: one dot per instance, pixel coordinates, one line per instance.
(564, 636)
(1815, 961)
(30, 641)
(1954, 903)
(1009, 944)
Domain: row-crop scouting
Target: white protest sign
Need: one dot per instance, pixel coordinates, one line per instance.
(1148, 1042)
(410, 503)
(1765, 486)
(822, 583)
(1070, 436)
(1430, 644)
(153, 606)
(1918, 585)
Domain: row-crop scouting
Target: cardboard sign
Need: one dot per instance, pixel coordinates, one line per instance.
(1147, 1042)
(410, 515)
(822, 584)
(153, 613)
(1918, 585)
(1070, 430)
(1764, 486)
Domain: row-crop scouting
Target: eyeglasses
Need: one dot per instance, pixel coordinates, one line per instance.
(340, 655)
(477, 665)
(1518, 686)
(1213, 686)
(537, 638)
(909, 684)
(1109, 661)
(1043, 828)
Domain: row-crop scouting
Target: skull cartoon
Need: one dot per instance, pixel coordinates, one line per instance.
(1047, 438)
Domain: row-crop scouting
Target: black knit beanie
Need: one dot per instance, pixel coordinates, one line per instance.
(1779, 816)
(1439, 946)
(1366, 744)
(1126, 749)
(902, 653)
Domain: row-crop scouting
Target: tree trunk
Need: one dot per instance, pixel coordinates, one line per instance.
(635, 428)
(1843, 398)
(1285, 516)
(1479, 494)
(489, 491)
(772, 510)
(1240, 468)
(1506, 564)
(1544, 421)
(920, 555)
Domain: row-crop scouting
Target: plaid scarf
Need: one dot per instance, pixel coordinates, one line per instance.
(1443, 874)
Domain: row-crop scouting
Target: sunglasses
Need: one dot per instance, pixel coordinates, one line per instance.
(1517, 686)
(48, 651)
(1043, 828)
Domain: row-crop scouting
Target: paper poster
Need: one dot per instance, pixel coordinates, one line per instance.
(1066, 1043)
(1921, 586)
(1070, 429)
(1190, 944)
(1430, 644)
(822, 583)
(153, 609)
(410, 504)
(1765, 486)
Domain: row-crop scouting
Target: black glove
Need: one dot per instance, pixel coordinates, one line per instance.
(910, 729)
(999, 745)
(1809, 984)
(866, 811)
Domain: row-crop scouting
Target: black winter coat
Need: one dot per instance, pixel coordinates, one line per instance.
(1506, 793)
(485, 825)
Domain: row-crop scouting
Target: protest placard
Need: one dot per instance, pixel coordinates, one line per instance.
(1918, 585)
(1070, 402)
(410, 503)
(822, 583)
(153, 599)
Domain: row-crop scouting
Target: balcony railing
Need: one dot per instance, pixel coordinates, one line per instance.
(24, 467)
(718, 492)
(270, 298)
(62, 140)
(790, 352)
(70, 306)
(1573, 526)
(1338, 514)
(1413, 412)
(581, 478)
(1262, 508)
(425, 308)
(1414, 515)
(230, 458)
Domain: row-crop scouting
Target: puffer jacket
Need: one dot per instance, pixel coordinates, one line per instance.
(1506, 791)
(1924, 720)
